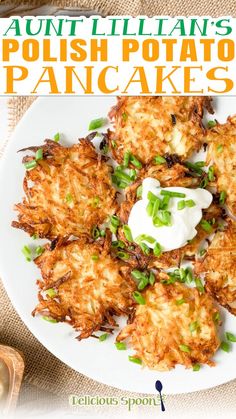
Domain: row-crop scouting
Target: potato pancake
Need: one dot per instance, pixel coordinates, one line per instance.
(67, 193)
(174, 326)
(219, 267)
(87, 286)
(150, 125)
(222, 155)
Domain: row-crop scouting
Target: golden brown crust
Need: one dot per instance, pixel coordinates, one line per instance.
(91, 286)
(71, 192)
(151, 125)
(161, 325)
(222, 154)
(219, 267)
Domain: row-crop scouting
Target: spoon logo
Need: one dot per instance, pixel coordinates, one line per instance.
(159, 387)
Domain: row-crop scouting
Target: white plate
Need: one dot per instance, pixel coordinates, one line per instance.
(100, 361)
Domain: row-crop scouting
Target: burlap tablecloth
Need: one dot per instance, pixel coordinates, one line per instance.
(46, 378)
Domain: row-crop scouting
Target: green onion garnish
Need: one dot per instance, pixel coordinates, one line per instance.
(39, 154)
(181, 205)
(190, 203)
(49, 319)
(39, 250)
(124, 116)
(144, 237)
(225, 346)
(69, 198)
(127, 233)
(122, 255)
(118, 244)
(51, 293)
(135, 360)
(27, 253)
(121, 346)
(157, 249)
(137, 274)
(103, 337)
(139, 298)
(152, 197)
(180, 301)
(165, 202)
(149, 208)
(95, 201)
(163, 217)
(194, 326)
(185, 348)
(95, 257)
(34, 237)
(139, 191)
(230, 337)
(202, 252)
(196, 367)
(195, 167)
(216, 317)
(135, 162)
(206, 226)
(199, 285)
(56, 137)
(114, 223)
(30, 164)
(210, 174)
(97, 123)
(211, 123)
(220, 148)
(173, 194)
(222, 197)
(145, 248)
(159, 160)
(126, 159)
(152, 278)
(95, 232)
(156, 206)
(143, 283)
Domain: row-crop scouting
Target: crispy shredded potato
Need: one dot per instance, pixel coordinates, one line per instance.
(219, 267)
(147, 126)
(222, 154)
(68, 192)
(164, 333)
(90, 286)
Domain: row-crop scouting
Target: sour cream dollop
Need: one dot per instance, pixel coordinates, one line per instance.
(183, 222)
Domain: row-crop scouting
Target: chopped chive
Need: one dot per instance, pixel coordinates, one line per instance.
(210, 174)
(180, 301)
(199, 285)
(206, 226)
(124, 116)
(132, 174)
(27, 253)
(157, 249)
(51, 293)
(126, 159)
(152, 197)
(34, 237)
(230, 337)
(145, 248)
(135, 360)
(173, 194)
(137, 274)
(211, 123)
(220, 148)
(188, 276)
(95, 232)
(202, 252)
(143, 283)
(49, 319)
(225, 346)
(139, 191)
(216, 317)
(39, 250)
(163, 217)
(123, 176)
(139, 298)
(30, 164)
(196, 367)
(97, 123)
(194, 326)
(121, 346)
(135, 162)
(222, 197)
(127, 233)
(95, 201)
(159, 160)
(103, 337)
(149, 208)
(56, 137)
(69, 198)
(165, 202)
(195, 167)
(102, 233)
(39, 154)
(95, 257)
(190, 203)
(151, 278)
(181, 205)
(122, 255)
(185, 348)
(144, 237)
(114, 223)
(113, 143)
(156, 206)
(118, 244)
